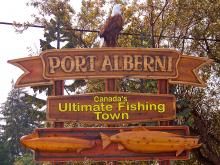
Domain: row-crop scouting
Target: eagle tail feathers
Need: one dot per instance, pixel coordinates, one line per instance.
(102, 41)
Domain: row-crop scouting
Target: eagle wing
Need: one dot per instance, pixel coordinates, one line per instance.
(113, 26)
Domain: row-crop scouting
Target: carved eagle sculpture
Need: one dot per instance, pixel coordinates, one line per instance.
(112, 27)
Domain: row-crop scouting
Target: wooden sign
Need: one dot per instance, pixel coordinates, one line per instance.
(100, 144)
(111, 107)
(109, 63)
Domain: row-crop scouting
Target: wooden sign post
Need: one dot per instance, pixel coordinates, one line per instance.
(163, 88)
(58, 87)
(111, 144)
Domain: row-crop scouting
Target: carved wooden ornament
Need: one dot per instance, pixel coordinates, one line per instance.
(108, 144)
(109, 63)
(111, 107)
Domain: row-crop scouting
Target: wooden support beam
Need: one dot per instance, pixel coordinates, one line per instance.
(163, 88)
(58, 89)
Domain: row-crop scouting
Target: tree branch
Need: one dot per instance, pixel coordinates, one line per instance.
(162, 10)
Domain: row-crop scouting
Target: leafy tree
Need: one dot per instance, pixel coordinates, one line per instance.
(4, 158)
(21, 117)
(57, 17)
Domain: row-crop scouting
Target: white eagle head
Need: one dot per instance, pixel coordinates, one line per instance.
(116, 10)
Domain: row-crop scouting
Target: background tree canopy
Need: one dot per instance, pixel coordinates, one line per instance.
(191, 27)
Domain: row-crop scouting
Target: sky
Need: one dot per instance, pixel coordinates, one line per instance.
(15, 45)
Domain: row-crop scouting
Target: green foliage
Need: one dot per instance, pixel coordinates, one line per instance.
(76, 86)
(21, 117)
(56, 16)
(138, 85)
(90, 17)
(95, 86)
(4, 154)
(191, 161)
(199, 109)
(26, 159)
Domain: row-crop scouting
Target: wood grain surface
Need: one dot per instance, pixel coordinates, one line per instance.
(111, 153)
(107, 63)
(111, 107)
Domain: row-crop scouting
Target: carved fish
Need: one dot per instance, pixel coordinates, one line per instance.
(142, 140)
(56, 144)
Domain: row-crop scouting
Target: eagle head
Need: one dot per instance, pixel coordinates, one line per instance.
(116, 10)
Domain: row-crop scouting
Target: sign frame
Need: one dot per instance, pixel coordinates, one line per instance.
(112, 154)
(185, 67)
(148, 107)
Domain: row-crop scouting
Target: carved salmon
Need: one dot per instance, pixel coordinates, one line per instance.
(56, 144)
(142, 140)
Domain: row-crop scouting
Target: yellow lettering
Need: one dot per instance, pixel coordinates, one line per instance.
(121, 105)
(115, 116)
(124, 116)
(96, 98)
(108, 107)
(105, 116)
(161, 108)
(98, 115)
(64, 108)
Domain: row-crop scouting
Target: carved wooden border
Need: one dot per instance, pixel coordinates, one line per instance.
(34, 67)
